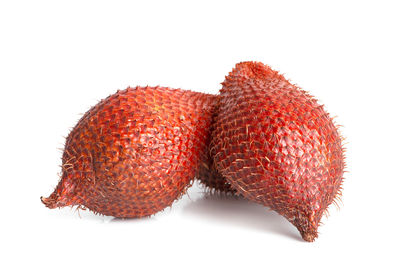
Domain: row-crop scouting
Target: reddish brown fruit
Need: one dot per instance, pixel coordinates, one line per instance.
(135, 152)
(276, 146)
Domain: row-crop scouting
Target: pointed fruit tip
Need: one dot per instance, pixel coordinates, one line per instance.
(253, 69)
(309, 237)
(49, 202)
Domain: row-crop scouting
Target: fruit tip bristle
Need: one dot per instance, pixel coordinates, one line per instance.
(49, 202)
(309, 237)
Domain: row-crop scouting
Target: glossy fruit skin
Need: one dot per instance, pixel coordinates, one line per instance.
(135, 152)
(277, 146)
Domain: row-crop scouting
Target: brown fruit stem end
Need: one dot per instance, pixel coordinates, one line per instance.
(49, 202)
(62, 196)
(54, 200)
(309, 236)
(307, 224)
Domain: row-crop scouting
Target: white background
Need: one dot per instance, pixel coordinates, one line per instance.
(58, 58)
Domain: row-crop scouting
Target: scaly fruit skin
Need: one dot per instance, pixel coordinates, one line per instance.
(211, 179)
(135, 152)
(276, 146)
(208, 173)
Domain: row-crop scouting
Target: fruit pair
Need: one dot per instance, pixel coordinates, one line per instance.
(137, 151)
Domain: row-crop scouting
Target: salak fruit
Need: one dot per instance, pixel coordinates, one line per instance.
(135, 152)
(277, 146)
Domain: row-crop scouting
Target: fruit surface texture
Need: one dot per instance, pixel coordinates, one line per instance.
(277, 146)
(208, 175)
(135, 152)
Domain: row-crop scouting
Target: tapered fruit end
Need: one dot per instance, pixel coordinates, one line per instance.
(307, 224)
(56, 200)
(255, 70)
(63, 195)
(309, 236)
(52, 201)
(49, 202)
